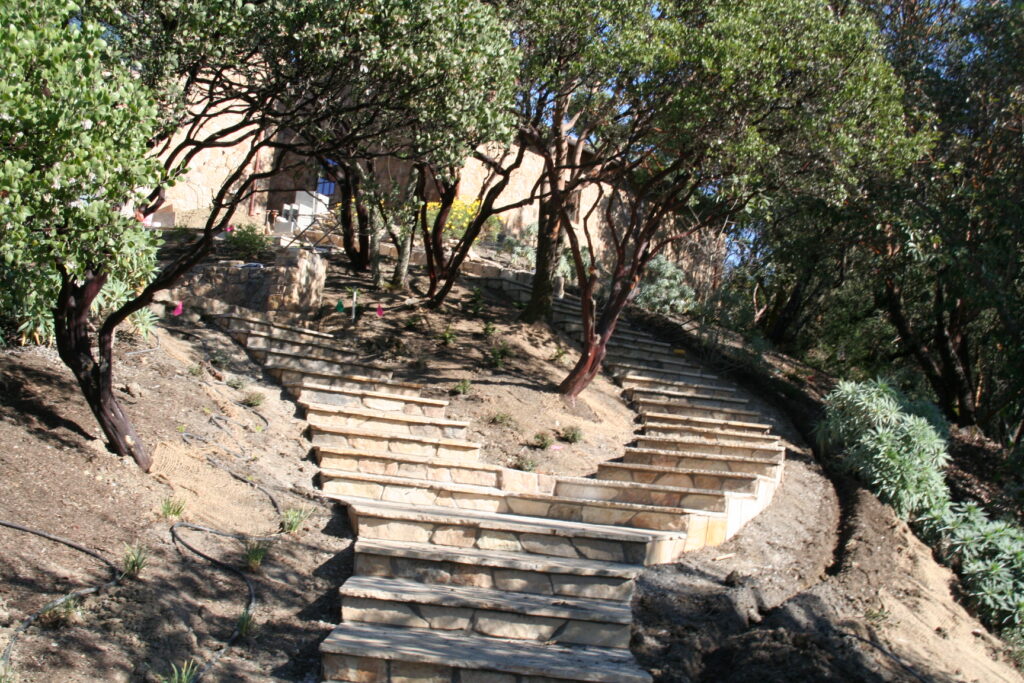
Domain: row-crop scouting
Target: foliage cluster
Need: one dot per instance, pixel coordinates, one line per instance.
(664, 289)
(900, 456)
(248, 242)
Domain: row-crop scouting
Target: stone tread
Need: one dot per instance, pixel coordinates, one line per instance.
(723, 443)
(762, 459)
(693, 370)
(315, 347)
(386, 480)
(497, 521)
(615, 484)
(659, 382)
(272, 354)
(384, 434)
(686, 393)
(405, 398)
(499, 559)
(461, 462)
(347, 376)
(479, 653)
(562, 607)
(387, 416)
(662, 403)
(680, 470)
(723, 435)
(725, 425)
(666, 360)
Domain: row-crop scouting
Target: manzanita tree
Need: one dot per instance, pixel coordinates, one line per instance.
(75, 128)
(742, 100)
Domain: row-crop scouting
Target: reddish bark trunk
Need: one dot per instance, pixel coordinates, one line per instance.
(71, 327)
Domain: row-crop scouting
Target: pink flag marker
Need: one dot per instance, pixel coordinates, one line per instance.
(380, 311)
(178, 309)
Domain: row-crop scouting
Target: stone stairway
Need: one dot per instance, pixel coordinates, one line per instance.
(469, 572)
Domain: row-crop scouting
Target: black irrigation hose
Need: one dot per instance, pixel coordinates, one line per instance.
(250, 606)
(187, 436)
(116, 576)
(139, 353)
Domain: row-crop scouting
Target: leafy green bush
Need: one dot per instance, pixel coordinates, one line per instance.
(248, 242)
(663, 288)
(898, 455)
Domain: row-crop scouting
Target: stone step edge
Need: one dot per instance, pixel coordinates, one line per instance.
(386, 480)
(359, 379)
(694, 371)
(271, 323)
(499, 559)
(479, 653)
(405, 398)
(672, 417)
(500, 521)
(760, 460)
(384, 415)
(319, 345)
(384, 434)
(413, 592)
(438, 460)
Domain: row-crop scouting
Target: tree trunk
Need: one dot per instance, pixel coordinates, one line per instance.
(404, 243)
(549, 237)
(351, 227)
(71, 327)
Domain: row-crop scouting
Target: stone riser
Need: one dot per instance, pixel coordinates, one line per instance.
(703, 480)
(350, 669)
(291, 377)
(676, 375)
(619, 337)
(684, 462)
(477, 576)
(706, 447)
(382, 424)
(395, 404)
(491, 623)
(457, 534)
(261, 346)
(461, 469)
(241, 330)
(418, 493)
(640, 496)
(393, 443)
(746, 429)
(653, 360)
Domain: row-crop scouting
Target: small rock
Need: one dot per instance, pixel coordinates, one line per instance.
(133, 389)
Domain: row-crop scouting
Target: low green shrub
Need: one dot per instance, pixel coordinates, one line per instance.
(543, 440)
(898, 449)
(663, 288)
(248, 242)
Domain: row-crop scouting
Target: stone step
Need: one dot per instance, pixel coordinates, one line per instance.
(740, 482)
(650, 358)
(704, 389)
(686, 408)
(360, 438)
(694, 376)
(486, 612)
(694, 397)
(657, 427)
(768, 467)
(619, 338)
(681, 368)
(374, 400)
(688, 444)
(355, 486)
(690, 498)
(341, 380)
(385, 654)
(239, 326)
(543, 575)
(385, 421)
(260, 344)
(529, 536)
(280, 362)
(463, 468)
(734, 426)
